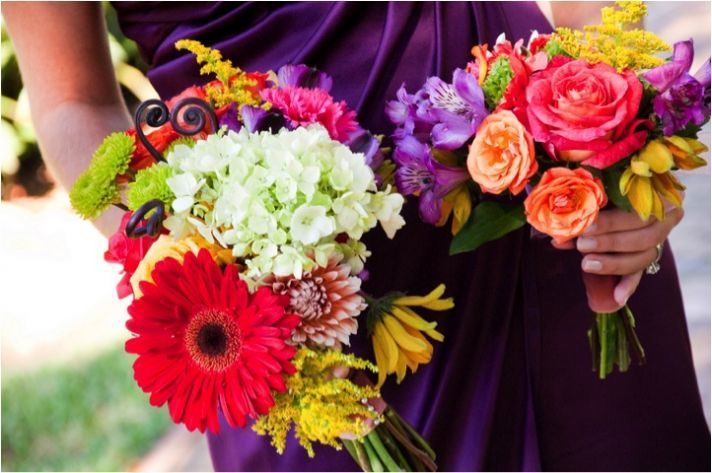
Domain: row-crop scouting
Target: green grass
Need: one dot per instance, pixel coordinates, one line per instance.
(88, 417)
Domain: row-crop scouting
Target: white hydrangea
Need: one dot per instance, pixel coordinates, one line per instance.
(279, 200)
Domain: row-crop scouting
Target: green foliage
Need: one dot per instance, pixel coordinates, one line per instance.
(90, 417)
(498, 78)
(611, 179)
(150, 184)
(553, 48)
(488, 221)
(96, 188)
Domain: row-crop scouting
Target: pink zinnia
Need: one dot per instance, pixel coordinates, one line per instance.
(304, 106)
(328, 302)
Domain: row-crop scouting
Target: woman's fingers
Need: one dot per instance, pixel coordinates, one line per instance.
(632, 240)
(616, 220)
(619, 264)
(626, 287)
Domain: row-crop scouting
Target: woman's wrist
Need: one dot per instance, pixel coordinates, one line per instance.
(69, 133)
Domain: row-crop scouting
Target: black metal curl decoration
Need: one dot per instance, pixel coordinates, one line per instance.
(194, 116)
(156, 114)
(153, 224)
(191, 111)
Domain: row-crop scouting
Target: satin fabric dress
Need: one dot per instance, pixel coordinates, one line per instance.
(511, 388)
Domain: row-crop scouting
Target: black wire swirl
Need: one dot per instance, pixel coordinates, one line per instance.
(194, 116)
(153, 224)
(156, 114)
(188, 118)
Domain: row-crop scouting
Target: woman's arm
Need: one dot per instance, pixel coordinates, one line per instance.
(64, 59)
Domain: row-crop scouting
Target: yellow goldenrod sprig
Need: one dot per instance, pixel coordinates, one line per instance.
(234, 84)
(613, 41)
(320, 405)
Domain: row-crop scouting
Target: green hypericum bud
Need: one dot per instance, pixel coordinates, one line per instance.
(498, 78)
(96, 188)
(553, 48)
(150, 184)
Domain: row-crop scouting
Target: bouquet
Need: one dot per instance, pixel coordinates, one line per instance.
(245, 203)
(557, 129)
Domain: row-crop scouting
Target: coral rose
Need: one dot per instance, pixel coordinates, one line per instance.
(565, 203)
(584, 112)
(502, 155)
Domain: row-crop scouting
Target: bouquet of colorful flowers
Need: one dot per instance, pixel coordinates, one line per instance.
(559, 128)
(246, 200)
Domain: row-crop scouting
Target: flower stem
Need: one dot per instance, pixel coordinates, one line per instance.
(352, 451)
(413, 433)
(383, 454)
(421, 460)
(611, 339)
(373, 459)
(362, 455)
(392, 446)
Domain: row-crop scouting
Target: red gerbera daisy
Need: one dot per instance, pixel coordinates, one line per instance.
(203, 341)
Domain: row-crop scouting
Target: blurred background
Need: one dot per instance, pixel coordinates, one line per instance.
(69, 402)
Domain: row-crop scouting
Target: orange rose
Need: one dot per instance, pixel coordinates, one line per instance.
(502, 155)
(565, 203)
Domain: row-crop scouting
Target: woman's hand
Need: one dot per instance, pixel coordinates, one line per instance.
(621, 244)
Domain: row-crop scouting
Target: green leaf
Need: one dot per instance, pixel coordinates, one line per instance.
(611, 182)
(489, 221)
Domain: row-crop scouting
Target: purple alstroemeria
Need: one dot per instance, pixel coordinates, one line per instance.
(445, 114)
(299, 75)
(230, 119)
(682, 98)
(407, 113)
(419, 172)
(457, 109)
(257, 119)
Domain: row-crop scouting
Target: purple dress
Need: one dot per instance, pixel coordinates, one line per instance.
(511, 388)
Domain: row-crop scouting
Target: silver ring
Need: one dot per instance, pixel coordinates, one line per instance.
(654, 267)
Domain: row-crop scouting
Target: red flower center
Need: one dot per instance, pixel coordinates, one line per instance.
(212, 339)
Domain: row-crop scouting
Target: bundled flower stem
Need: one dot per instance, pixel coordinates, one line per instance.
(392, 446)
(611, 339)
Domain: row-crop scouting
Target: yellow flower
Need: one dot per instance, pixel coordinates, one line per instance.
(166, 247)
(234, 84)
(398, 332)
(459, 204)
(649, 178)
(320, 405)
(612, 41)
(686, 151)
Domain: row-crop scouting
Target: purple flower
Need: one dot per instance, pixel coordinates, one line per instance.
(418, 172)
(300, 75)
(458, 109)
(257, 119)
(408, 113)
(230, 119)
(445, 114)
(362, 141)
(682, 98)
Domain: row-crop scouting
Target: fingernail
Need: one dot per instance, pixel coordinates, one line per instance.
(586, 243)
(621, 296)
(592, 265)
